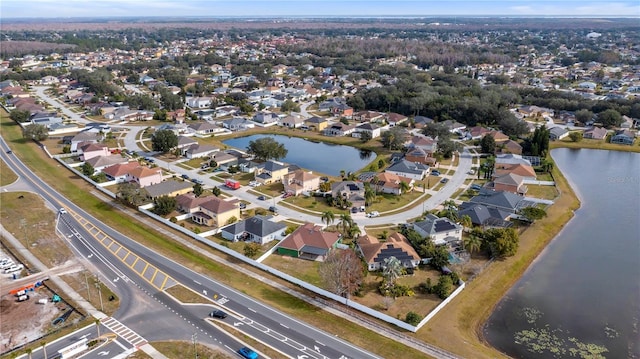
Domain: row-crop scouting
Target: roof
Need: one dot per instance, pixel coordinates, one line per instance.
(396, 245)
(273, 166)
(557, 131)
(184, 141)
(190, 201)
(142, 172)
(390, 180)
(85, 136)
(120, 169)
(198, 148)
(433, 225)
(519, 169)
(104, 161)
(316, 120)
(91, 146)
(257, 225)
(310, 236)
(166, 188)
(217, 205)
(512, 159)
(405, 166)
(500, 199)
(483, 215)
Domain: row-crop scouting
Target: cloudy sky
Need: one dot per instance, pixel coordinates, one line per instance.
(137, 8)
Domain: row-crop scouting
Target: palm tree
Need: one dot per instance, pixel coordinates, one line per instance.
(369, 194)
(343, 173)
(472, 243)
(451, 210)
(354, 231)
(404, 187)
(466, 221)
(391, 270)
(346, 222)
(328, 217)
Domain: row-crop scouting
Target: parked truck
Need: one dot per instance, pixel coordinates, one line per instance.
(232, 184)
(23, 298)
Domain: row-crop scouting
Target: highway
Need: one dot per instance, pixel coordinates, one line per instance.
(292, 337)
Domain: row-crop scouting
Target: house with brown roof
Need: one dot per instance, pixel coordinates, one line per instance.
(90, 150)
(477, 132)
(368, 116)
(215, 212)
(510, 182)
(498, 136)
(387, 182)
(189, 203)
(309, 242)
(520, 169)
(100, 162)
(596, 133)
(509, 146)
(118, 172)
(395, 119)
(339, 129)
(300, 181)
(374, 252)
(145, 176)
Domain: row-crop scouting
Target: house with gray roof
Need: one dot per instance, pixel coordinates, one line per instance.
(259, 229)
(511, 159)
(505, 201)
(487, 217)
(413, 170)
(169, 188)
(439, 230)
(557, 133)
(237, 124)
(623, 137)
(198, 151)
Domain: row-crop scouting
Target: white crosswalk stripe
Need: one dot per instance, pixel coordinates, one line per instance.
(124, 332)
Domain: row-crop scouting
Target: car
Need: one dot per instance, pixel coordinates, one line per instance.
(435, 173)
(62, 210)
(185, 177)
(247, 353)
(354, 209)
(9, 151)
(476, 187)
(262, 198)
(243, 205)
(149, 159)
(444, 180)
(195, 180)
(471, 172)
(362, 208)
(373, 214)
(273, 209)
(218, 314)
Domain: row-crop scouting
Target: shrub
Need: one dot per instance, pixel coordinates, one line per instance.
(413, 318)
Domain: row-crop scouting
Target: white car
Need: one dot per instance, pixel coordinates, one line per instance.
(62, 210)
(373, 214)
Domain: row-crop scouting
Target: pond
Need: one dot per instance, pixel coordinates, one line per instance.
(581, 297)
(318, 157)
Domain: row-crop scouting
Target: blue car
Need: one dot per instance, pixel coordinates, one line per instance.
(248, 353)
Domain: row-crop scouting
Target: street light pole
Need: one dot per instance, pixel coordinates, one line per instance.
(195, 349)
(99, 293)
(86, 281)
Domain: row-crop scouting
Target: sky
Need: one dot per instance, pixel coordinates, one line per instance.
(313, 8)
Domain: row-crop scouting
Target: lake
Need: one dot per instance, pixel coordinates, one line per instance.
(315, 156)
(581, 296)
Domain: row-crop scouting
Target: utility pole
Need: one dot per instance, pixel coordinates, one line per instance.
(86, 281)
(195, 349)
(99, 293)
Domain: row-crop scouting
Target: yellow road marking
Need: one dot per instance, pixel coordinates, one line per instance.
(144, 270)
(134, 262)
(166, 278)
(154, 277)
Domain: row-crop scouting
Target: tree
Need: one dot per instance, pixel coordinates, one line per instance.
(87, 169)
(576, 136)
(35, 132)
(583, 116)
(446, 147)
(533, 213)
(289, 106)
(267, 148)
(472, 243)
(610, 118)
(393, 138)
(328, 217)
(251, 249)
(164, 205)
(164, 140)
(413, 318)
(346, 222)
(231, 220)
(439, 257)
(404, 187)
(465, 221)
(503, 242)
(369, 194)
(391, 270)
(341, 272)
(444, 286)
(365, 136)
(19, 115)
(198, 190)
(216, 191)
(450, 210)
(488, 144)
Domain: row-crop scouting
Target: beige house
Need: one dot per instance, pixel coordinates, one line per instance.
(374, 252)
(270, 172)
(144, 176)
(215, 212)
(300, 181)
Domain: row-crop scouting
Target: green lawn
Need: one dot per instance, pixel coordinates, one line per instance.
(299, 268)
(7, 176)
(543, 192)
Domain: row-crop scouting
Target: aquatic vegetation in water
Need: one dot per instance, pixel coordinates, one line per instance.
(531, 314)
(540, 340)
(610, 332)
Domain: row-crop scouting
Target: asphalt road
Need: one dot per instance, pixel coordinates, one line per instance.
(292, 337)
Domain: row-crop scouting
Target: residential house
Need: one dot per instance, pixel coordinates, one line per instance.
(510, 182)
(224, 159)
(371, 128)
(271, 171)
(292, 121)
(412, 170)
(144, 176)
(505, 201)
(386, 182)
(339, 129)
(186, 142)
(198, 102)
(454, 126)
(203, 128)
(349, 190)
(439, 230)
(100, 162)
(310, 242)
(90, 150)
(426, 143)
(317, 124)
(487, 217)
(300, 181)
(198, 151)
(498, 136)
(534, 111)
(509, 146)
(374, 252)
(337, 106)
(215, 212)
(527, 172)
(118, 172)
(189, 203)
(394, 119)
(259, 229)
(623, 137)
(170, 188)
(557, 133)
(266, 118)
(477, 132)
(238, 124)
(596, 133)
(511, 159)
(84, 137)
(45, 119)
(421, 121)
(368, 116)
